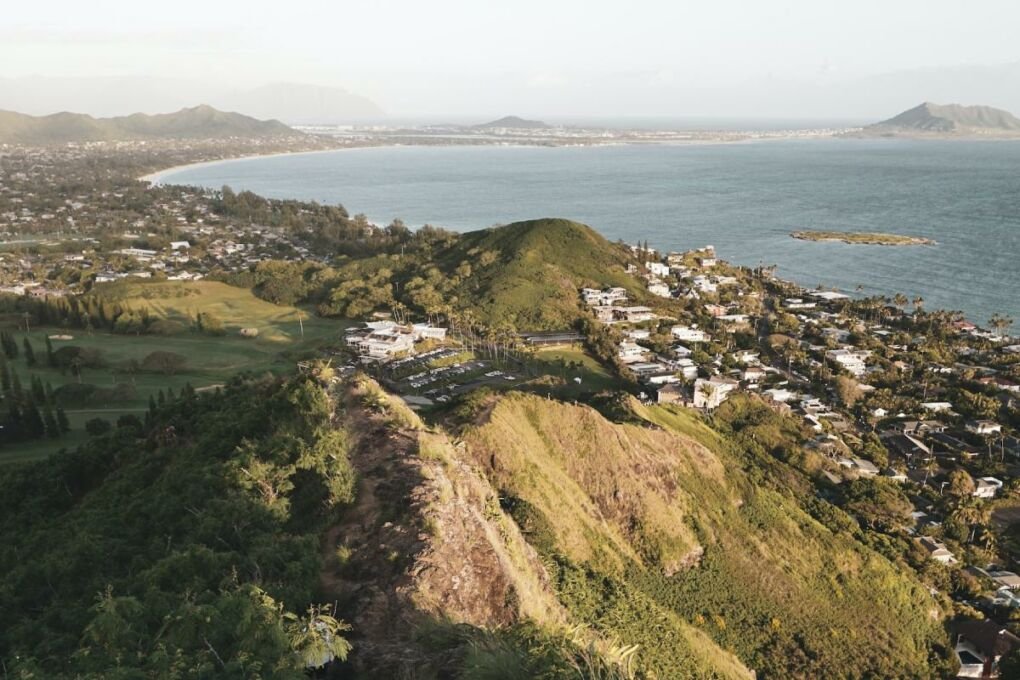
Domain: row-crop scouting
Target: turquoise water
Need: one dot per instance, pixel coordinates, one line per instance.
(742, 198)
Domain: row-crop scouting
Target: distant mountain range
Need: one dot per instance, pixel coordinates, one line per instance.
(199, 122)
(514, 122)
(293, 103)
(949, 119)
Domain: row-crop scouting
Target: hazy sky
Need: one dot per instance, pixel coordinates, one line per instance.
(547, 57)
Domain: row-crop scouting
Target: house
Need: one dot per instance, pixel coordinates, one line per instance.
(746, 356)
(753, 374)
(937, 550)
(1002, 579)
(850, 360)
(908, 446)
(680, 352)
(634, 314)
(594, 297)
(865, 468)
(689, 334)
(657, 268)
(672, 393)
(937, 407)
(798, 303)
(425, 331)
(179, 245)
(987, 487)
(631, 352)
(659, 289)
(920, 428)
(983, 427)
(829, 296)
(980, 645)
(780, 395)
(709, 394)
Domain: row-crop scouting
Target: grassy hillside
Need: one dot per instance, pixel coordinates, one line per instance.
(199, 122)
(529, 273)
(658, 537)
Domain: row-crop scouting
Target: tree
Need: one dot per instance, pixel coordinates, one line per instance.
(50, 423)
(96, 427)
(879, 503)
(961, 485)
(164, 362)
(49, 352)
(1000, 323)
(29, 352)
(316, 637)
(62, 422)
(848, 390)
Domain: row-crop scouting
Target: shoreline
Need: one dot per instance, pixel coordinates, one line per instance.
(156, 177)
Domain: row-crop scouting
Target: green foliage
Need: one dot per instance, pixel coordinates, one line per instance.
(766, 570)
(198, 574)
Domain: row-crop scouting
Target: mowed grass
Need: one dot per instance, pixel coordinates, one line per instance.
(579, 364)
(209, 360)
(183, 301)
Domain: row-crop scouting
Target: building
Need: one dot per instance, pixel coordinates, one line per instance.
(689, 334)
(709, 394)
(987, 487)
(660, 289)
(983, 427)
(631, 353)
(671, 393)
(937, 550)
(657, 268)
(851, 360)
(980, 645)
(602, 298)
(634, 314)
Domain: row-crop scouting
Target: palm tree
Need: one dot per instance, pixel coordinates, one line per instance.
(918, 304)
(707, 390)
(1000, 323)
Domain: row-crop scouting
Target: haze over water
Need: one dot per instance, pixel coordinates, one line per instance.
(743, 198)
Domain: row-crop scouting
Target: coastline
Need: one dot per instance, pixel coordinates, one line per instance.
(156, 177)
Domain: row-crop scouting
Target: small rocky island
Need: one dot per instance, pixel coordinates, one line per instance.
(863, 238)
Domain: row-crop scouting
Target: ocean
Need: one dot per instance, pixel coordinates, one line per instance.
(743, 198)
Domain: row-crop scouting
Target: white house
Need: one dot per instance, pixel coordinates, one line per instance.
(657, 268)
(987, 487)
(689, 334)
(851, 360)
(709, 394)
(631, 352)
(983, 427)
(660, 289)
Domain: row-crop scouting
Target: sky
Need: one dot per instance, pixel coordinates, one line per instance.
(540, 57)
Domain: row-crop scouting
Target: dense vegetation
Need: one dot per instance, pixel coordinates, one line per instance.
(187, 547)
(524, 276)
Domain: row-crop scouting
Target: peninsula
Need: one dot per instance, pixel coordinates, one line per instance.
(863, 238)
